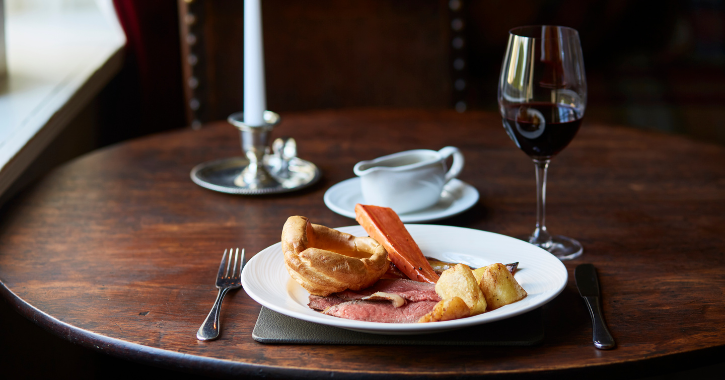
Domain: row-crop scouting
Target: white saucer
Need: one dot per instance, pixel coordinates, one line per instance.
(457, 197)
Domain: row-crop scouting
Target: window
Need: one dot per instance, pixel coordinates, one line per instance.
(59, 54)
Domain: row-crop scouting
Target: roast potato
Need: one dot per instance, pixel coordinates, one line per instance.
(447, 309)
(478, 273)
(459, 281)
(498, 286)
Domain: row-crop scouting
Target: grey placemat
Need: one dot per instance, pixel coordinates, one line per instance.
(523, 330)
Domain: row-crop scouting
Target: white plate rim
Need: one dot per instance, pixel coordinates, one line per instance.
(461, 204)
(529, 253)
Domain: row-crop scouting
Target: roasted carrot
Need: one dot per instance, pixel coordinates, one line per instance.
(384, 225)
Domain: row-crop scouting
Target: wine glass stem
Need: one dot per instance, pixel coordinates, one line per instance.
(541, 236)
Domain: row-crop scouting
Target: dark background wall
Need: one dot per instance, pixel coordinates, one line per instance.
(650, 64)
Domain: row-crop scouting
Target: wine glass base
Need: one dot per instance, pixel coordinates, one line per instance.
(564, 248)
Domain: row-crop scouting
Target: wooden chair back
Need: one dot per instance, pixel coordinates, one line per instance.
(322, 54)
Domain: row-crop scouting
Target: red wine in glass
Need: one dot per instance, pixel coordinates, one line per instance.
(541, 130)
(542, 97)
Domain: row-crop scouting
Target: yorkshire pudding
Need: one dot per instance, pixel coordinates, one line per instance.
(326, 261)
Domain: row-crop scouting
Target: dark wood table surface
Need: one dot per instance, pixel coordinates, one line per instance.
(117, 250)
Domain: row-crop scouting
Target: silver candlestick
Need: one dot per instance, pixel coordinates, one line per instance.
(261, 171)
(255, 140)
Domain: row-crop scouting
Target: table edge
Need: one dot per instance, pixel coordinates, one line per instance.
(221, 367)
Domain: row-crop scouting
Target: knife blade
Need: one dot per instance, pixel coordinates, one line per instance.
(588, 285)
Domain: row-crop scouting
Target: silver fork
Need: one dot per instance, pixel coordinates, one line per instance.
(227, 279)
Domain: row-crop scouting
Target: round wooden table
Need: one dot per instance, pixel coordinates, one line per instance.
(118, 249)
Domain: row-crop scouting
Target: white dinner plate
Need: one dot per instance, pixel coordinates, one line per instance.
(456, 198)
(542, 275)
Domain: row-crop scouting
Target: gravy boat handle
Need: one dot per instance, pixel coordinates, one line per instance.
(457, 164)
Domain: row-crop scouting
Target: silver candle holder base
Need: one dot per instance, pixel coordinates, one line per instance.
(263, 170)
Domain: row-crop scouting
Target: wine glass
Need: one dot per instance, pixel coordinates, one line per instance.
(542, 94)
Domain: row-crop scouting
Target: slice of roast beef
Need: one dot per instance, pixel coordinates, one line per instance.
(412, 291)
(383, 312)
(322, 303)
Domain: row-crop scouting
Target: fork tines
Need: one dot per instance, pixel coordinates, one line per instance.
(226, 263)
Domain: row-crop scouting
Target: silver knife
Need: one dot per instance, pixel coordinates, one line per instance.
(588, 284)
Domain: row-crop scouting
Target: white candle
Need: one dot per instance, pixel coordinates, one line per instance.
(255, 97)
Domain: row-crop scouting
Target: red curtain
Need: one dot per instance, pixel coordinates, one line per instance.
(152, 74)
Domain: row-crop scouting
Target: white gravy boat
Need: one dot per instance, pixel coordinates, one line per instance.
(408, 181)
